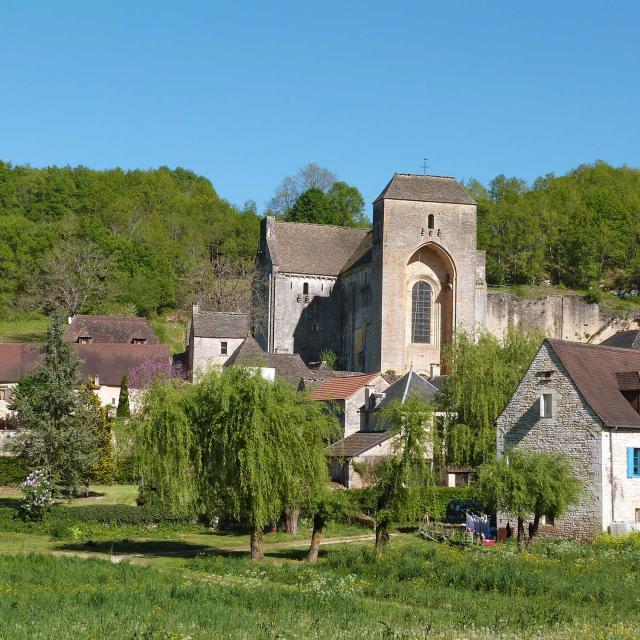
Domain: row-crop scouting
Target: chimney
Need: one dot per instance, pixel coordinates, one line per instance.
(96, 381)
(435, 370)
(195, 307)
(70, 319)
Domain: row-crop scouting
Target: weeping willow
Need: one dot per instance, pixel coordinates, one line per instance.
(164, 446)
(483, 374)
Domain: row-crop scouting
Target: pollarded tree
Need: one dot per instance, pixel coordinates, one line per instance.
(527, 484)
(406, 471)
(59, 422)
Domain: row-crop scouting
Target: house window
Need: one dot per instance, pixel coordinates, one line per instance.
(113, 402)
(430, 221)
(223, 348)
(637, 515)
(138, 341)
(633, 462)
(549, 521)
(84, 339)
(305, 289)
(421, 312)
(546, 405)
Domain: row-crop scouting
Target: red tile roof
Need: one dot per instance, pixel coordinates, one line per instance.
(341, 388)
(593, 369)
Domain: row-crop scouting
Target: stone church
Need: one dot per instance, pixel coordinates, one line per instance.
(383, 299)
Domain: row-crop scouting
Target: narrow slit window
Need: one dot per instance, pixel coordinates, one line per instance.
(305, 288)
(430, 221)
(546, 405)
(421, 312)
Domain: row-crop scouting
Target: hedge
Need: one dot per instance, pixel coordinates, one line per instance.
(434, 500)
(13, 471)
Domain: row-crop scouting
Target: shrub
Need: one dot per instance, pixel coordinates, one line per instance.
(13, 470)
(38, 495)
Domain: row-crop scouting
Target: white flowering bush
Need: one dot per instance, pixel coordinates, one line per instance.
(38, 495)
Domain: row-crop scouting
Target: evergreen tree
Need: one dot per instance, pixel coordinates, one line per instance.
(58, 420)
(123, 401)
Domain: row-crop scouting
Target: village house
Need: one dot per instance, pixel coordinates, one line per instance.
(357, 402)
(108, 347)
(583, 400)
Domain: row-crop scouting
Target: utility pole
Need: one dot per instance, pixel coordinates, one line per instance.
(425, 166)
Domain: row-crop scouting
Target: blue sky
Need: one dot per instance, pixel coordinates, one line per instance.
(246, 93)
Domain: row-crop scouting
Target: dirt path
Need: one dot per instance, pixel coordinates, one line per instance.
(143, 558)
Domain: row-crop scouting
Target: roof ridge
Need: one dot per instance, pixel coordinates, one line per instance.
(593, 346)
(324, 226)
(424, 175)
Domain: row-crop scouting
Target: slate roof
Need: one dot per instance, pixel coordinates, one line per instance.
(110, 329)
(357, 443)
(339, 388)
(219, 324)
(107, 361)
(623, 339)
(422, 188)
(313, 249)
(594, 369)
(410, 384)
(288, 366)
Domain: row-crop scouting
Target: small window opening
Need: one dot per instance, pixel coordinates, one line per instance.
(138, 340)
(546, 405)
(637, 515)
(305, 288)
(223, 348)
(430, 221)
(84, 339)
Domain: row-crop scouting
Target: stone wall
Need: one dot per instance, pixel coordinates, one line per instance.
(205, 353)
(573, 429)
(568, 317)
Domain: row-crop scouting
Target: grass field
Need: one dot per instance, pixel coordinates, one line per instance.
(415, 590)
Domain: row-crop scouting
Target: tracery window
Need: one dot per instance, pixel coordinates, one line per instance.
(421, 312)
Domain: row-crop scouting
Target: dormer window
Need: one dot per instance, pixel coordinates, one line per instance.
(138, 341)
(84, 339)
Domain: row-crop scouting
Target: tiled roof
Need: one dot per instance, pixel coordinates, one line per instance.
(288, 366)
(219, 324)
(110, 329)
(314, 249)
(594, 369)
(357, 443)
(361, 256)
(338, 388)
(623, 339)
(406, 186)
(107, 361)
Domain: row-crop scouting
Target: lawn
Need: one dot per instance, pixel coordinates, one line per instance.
(416, 590)
(28, 330)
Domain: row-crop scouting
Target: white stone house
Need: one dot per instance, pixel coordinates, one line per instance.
(213, 338)
(584, 401)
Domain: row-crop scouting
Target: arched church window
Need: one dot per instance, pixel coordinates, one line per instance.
(421, 312)
(430, 221)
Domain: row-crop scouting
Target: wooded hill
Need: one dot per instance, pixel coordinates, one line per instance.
(147, 239)
(144, 235)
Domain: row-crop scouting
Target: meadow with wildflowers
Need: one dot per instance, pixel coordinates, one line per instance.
(415, 590)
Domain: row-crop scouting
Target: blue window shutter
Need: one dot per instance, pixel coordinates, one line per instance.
(629, 462)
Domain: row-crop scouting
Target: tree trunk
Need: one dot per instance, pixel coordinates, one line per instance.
(533, 527)
(318, 526)
(256, 544)
(520, 532)
(291, 516)
(382, 537)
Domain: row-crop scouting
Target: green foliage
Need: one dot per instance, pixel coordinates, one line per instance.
(572, 230)
(406, 472)
(60, 419)
(258, 445)
(341, 205)
(123, 410)
(156, 226)
(329, 357)
(13, 470)
(527, 483)
(483, 374)
(164, 442)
